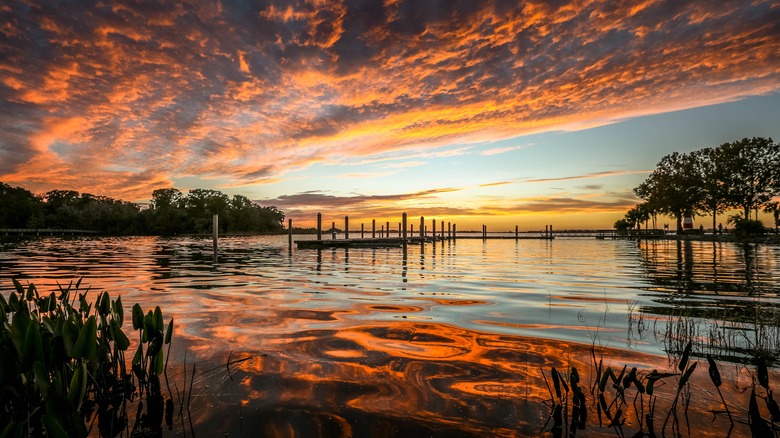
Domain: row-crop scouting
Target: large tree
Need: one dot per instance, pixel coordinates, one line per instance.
(712, 169)
(166, 214)
(674, 187)
(751, 173)
(19, 208)
(202, 204)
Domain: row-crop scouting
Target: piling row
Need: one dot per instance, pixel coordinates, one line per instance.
(440, 231)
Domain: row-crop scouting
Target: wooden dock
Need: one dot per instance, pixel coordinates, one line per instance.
(523, 236)
(44, 232)
(390, 242)
(390, 238)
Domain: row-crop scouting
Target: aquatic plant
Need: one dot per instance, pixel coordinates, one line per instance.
(62, 362)
(616, 397)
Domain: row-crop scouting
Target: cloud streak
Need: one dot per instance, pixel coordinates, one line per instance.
(590, 175)
(124, 98)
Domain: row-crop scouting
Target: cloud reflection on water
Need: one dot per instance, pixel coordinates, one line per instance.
(448, 339)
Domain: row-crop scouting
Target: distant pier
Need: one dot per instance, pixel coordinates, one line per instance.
(405, 234)
(44, 232)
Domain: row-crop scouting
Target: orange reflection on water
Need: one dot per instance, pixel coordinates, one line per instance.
(436, 377)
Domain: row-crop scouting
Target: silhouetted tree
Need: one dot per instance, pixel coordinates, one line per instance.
(202, 204)
(751, 173)
(166, 214)
(712, 168)
(19, 208)
(170, 212)
(674, 187)
(774, 209)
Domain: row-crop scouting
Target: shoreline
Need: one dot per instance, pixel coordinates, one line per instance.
(768, 239)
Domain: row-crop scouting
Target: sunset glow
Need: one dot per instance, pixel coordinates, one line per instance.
(497, 113)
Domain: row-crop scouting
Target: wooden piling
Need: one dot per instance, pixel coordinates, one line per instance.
(361, 230)
(215, 232)
(433, 230)
(422, 228)
(319, 226)
(449, 230)
(373, 228)
(289, 233)
(454, 231)
(333, 230)
(388, 229)
(346, 227)
(517, 234)
(403, 225)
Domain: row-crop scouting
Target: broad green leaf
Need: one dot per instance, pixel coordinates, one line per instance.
(121, 341)
(158, 368)
(139, 355)
(78, 386)
(32, 292)
(19, 324)
(52, 302)
(13, 302)
(138, 317)
(18, 286)
(155, 345)
(70, 334)
(53, 428)
(119, 310)
(158, 319)
(104, 305)
(12, 430)
(85, 344)
(169, 333)
(41, 377)
(33, 347)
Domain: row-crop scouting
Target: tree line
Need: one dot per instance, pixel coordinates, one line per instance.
(742, 175)
(170, 212)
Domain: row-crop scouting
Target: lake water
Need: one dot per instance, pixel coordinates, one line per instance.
(449, 339)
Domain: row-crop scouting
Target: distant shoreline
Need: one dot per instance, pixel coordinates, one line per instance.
(769, 238)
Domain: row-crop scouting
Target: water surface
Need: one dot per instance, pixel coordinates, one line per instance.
(443, 339)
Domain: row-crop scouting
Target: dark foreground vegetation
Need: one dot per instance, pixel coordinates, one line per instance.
(170, 212)
(63, 368)
(632, 396)
(742, 175)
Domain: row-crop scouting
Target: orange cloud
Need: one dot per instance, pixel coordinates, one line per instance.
(253, 92)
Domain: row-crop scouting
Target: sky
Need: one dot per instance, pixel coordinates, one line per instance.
(476, 112)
